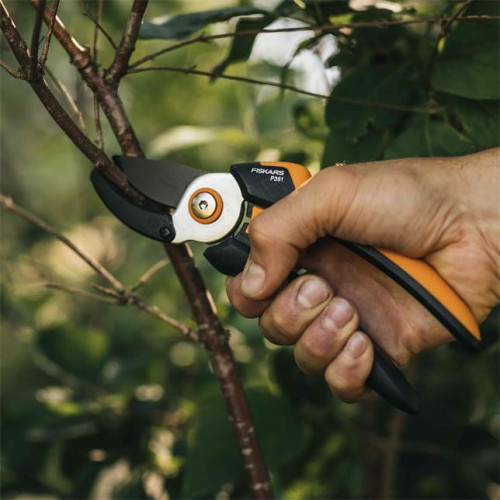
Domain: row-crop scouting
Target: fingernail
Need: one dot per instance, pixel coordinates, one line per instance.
(253, 279)
(337, 314)
(356, 345)
(312, 293)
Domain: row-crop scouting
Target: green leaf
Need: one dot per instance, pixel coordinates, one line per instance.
(241, 47)
(470, 63)
(212, 457)
(480, 120)
(188, 136)
(383, 84)
(184, 25)
(370, 147)
(81, 352)
(425, 137)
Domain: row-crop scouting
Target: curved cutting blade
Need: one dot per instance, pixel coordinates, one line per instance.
(160, 180)
(155, 225)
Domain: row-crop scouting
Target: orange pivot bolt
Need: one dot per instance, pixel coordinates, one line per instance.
(205, 205)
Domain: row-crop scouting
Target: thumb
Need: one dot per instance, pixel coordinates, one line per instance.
(280, 233)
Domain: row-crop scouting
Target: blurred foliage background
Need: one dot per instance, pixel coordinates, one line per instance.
(102, 401)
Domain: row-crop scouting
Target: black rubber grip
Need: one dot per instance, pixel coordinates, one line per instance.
(387, 380)
(229, 257)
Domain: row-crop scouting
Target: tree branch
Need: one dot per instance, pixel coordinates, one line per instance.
(124, 51)
(97, 110)
(120, 294)
(215, 339)
(98, 25)
(211, 332)
(33, 72)
(283, 86)
(79, 292)
(47, 98)
(9, 204)
(69, 99)
(128, 299)
(316, 29)
(150, 272)
(48, 35)
(12, 72)
(108, 97)
(443, 33)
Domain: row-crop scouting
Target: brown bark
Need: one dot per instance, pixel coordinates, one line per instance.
(211, 332)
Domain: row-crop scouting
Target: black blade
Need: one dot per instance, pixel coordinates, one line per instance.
(161, 181)
(155, 225)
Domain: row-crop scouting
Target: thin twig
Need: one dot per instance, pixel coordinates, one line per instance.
(176, 46)
(97, 110)
(127, 299)
(33, 73)
(150, 272)
(158, 313)
(445, 29)
(58, 113)
(69, 99)
(316, 29)
(78, 291)
(107, 291)
(12, 72)
(48, 35)
(283, 86)
(121, 295)
(119, 66)
(445, 26)
(212, 334)
(109, 99)
(99, 26)
(9, 204)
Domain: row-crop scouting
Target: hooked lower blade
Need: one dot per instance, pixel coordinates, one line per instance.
(155, 225)
(162, 181)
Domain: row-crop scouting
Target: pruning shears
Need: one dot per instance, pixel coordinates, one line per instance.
(216, 208)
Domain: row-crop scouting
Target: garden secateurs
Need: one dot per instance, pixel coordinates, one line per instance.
(216, 208)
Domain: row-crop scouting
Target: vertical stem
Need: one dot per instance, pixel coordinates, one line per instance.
(35, 41)
(211, 332)
(215, 340)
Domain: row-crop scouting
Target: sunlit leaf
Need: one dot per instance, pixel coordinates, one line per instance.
(241, 46)
(183, 137)
(184, 25)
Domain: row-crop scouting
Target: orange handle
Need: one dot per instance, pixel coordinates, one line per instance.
(428, 277)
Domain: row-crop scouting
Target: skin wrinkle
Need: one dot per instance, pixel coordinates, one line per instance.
(417, 209)
(308, 352)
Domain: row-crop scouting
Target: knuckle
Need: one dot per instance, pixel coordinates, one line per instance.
(314, 348)
(258, 229)
(344, 380)
(304, 364)
(237, 301)
(273, 331)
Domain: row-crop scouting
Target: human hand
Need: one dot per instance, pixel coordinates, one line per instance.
(443, 210)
